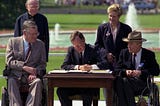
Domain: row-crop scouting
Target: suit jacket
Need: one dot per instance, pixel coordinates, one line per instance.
(105, 40)
(150, 66)
(91, 56)
(42, 24)
(15, 57)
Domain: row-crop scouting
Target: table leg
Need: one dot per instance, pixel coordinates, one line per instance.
(109, 96)
(50, 100)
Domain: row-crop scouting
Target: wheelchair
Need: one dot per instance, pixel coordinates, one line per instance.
(23, 91)
(149, 95)
(151, 91)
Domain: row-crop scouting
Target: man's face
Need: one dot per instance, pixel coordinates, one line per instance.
(134, 47)
(32, 6)
(31, 35)
(79, 44)
(113, 17)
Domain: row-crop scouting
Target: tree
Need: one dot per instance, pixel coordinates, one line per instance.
(9, 11)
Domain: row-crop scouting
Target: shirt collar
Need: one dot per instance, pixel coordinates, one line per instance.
(25, 42)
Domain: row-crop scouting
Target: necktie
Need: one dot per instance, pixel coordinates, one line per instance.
(81, 58)
(28, 51)
(134, 61)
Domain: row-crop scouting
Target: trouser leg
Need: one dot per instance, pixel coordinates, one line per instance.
(120, 91)
(126, 88)
(63, 95)
(35, 93)
(87, 100)
(14, 93)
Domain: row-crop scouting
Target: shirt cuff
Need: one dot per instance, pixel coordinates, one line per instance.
(95, 67)
(76, 67)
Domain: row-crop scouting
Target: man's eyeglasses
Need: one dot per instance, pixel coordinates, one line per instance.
(33, 34)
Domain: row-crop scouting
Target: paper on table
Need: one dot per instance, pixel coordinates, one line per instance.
(79, 71)
(67, 71)
(101, 71)
(57, 71)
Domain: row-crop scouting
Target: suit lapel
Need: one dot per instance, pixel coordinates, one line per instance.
(21, 48)
(143, 56)
(76, 56)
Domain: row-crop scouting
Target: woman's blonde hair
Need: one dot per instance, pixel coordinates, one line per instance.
(115, 8)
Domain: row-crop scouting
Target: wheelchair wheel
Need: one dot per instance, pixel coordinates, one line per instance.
(155, 95)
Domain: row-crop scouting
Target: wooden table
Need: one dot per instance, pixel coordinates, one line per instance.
(93, 80)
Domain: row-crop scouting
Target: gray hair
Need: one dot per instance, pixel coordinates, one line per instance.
(29, 24)
(27, 1)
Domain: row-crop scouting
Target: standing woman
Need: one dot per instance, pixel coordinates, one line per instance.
(110, 34)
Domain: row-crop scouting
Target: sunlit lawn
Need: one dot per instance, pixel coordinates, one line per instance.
(91, 21)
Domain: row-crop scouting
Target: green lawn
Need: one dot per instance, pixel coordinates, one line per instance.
(91, 21)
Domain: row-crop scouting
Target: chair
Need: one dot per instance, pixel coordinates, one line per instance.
(151, 91)
(79, 97)
(23, 91)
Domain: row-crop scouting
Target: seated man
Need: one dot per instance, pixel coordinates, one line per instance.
(26, 59)
(134, 66)
(90, 59)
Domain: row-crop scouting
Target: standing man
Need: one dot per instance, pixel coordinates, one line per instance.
(26, 59)
(110, 34)
(80, 56)
(32, 7)
(134, 66)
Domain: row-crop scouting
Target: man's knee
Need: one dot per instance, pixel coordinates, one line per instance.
(12, 82)
(37, 84)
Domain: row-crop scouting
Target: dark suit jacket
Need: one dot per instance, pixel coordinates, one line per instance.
(42, 24)
(150, 67)
(105, 40)
(91, 56)
(15, 57)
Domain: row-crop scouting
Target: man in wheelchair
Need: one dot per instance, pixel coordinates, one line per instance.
(133, 68)
(26, 61)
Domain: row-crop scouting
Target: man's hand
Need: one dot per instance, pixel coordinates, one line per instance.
(31, 78)
(133, 73)
(30, 70)
(85, 67)
(110, 58)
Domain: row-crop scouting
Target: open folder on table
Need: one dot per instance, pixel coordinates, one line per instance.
(79, 71)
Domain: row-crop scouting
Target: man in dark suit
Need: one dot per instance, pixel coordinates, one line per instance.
(80, 56)
(32, 7)
(26, 59)
(134, 66)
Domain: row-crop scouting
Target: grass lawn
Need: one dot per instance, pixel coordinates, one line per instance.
(91, 21)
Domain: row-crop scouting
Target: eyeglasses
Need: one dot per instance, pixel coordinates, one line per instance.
(33, 34)
(33, 6)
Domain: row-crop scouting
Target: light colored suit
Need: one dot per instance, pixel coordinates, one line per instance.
(15, 60)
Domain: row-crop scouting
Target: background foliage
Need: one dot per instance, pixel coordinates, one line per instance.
(10, 10)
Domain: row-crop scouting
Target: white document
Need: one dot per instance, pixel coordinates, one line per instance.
(79, 71)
